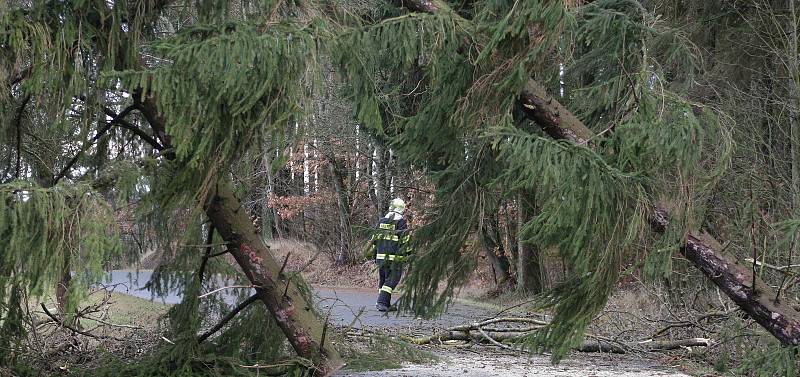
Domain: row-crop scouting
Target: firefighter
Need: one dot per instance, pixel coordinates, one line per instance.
(389, 244)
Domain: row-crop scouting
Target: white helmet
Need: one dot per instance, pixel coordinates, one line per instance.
(397, 205)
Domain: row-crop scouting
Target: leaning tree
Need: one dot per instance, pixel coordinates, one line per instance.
(627, 160)
(150, 100)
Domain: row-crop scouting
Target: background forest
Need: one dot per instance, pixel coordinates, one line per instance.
(572, 148)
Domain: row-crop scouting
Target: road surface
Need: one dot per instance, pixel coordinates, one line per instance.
(356, 307)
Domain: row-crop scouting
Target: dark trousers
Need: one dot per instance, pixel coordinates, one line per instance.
(390, 274)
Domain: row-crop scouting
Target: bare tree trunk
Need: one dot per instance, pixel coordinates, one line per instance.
(270, 212)
(343, 206)
(495, 252)
(379, 174)
(794, 133)
(736, 281)
(528, 266)
(292, 311)
(63, 284)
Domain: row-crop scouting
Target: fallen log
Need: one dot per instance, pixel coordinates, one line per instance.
(292, 311)
(479, 333)
(593, 345)
(750, 293)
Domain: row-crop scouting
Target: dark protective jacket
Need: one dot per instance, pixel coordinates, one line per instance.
(390, 239)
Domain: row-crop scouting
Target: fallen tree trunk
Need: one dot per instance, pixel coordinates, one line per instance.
(292, 310)
(748, 292)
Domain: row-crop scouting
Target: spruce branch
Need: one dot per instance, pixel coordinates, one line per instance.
(244, 304)
(63, 173)
(136, 130)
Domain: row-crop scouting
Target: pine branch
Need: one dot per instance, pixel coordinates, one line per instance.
(133, 128)
(91, 142)
(244, 304)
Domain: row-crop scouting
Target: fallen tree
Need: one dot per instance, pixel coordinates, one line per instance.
(292, 310)
(749, 292)
(488, 332)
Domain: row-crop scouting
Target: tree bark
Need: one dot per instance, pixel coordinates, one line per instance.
(528, 267)
(794, 124)
(736, 280)
(293, 311)
(269, 216)
(781, 321)
(63, 284)
(496, 254)
(343, 210)
(379, 177)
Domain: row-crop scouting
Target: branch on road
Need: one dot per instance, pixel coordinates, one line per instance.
(479, 333)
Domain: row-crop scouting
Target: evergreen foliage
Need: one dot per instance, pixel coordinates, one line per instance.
(593, 202)
(213, 106)
(775, 361)
(39, 226)
(440, 90)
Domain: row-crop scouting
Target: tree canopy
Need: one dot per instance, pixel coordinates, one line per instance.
(591, 119)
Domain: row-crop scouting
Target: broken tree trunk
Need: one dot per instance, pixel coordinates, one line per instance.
(782, 321)
(529, 268)
(736, 280)
(293, 311)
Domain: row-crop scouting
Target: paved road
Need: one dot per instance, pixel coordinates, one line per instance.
(356, 307)
(347, 306)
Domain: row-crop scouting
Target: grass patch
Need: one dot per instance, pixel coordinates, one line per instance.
(130, 310)
(380, 352)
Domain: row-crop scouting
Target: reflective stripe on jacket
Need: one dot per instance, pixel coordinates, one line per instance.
(390, 238)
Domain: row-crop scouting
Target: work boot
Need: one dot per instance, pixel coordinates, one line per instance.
(383, 307)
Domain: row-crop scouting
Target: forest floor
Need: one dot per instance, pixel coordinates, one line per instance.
(372, 347)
